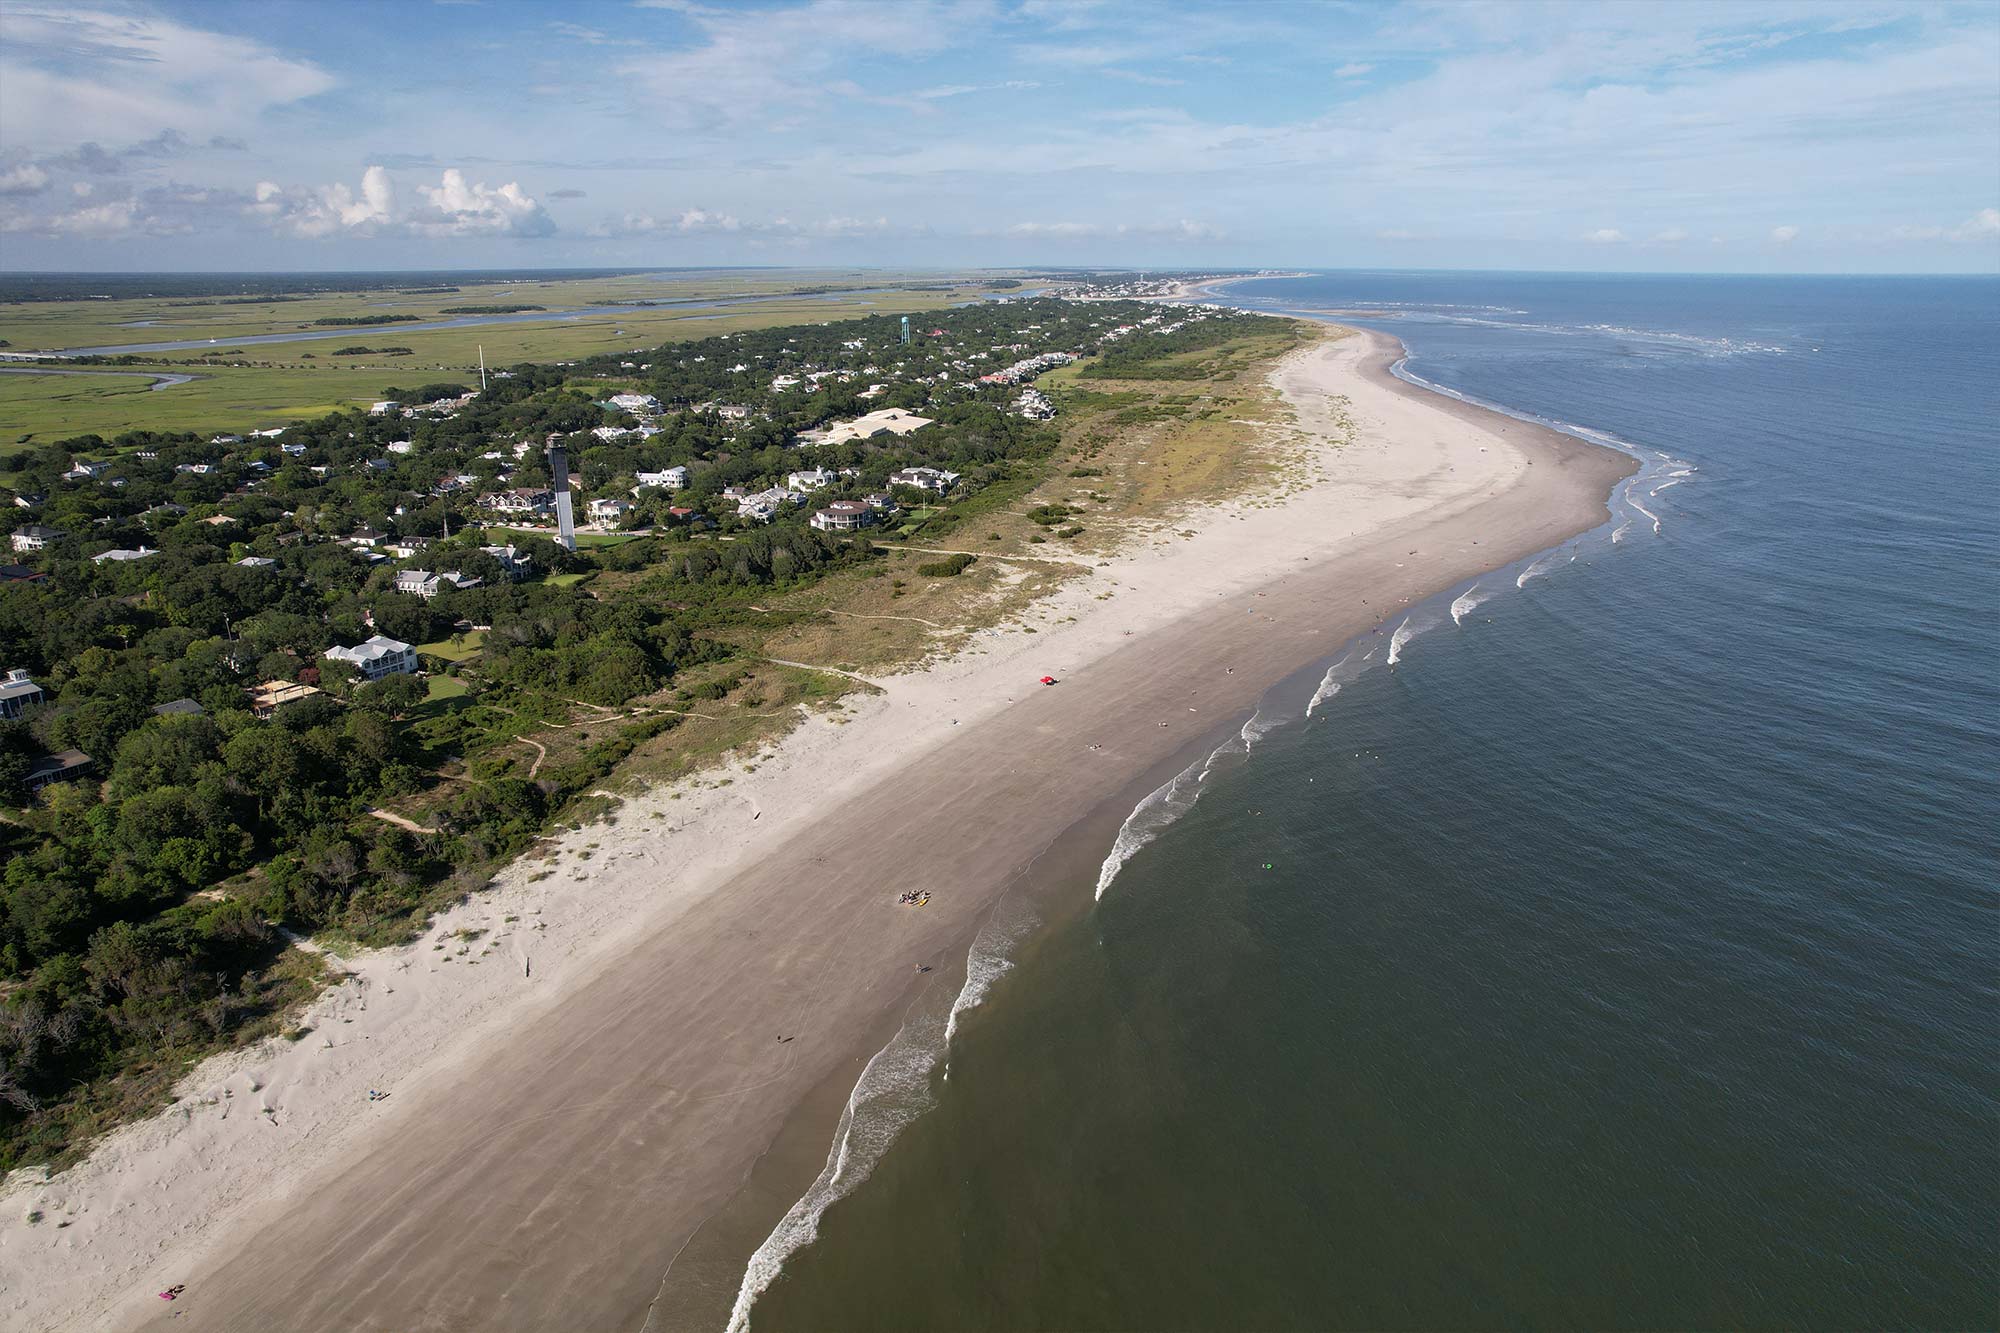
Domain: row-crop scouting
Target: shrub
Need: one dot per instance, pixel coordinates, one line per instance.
(949, 567)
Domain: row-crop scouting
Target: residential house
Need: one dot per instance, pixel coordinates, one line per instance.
(178, 708)
(256, 562)
(82, 469)
(62, 766)
(516, 566)
(122, 555)
(521, 500)
(367, 537)
(667, 479)
(763, 506)
(400, 446)
(880, 501)
(378, 657)
(36, 537)
(422, 583)
(932, 479)
(20, 574)
(638, 404)
(810, 480)
(844, 516)
(611, 510)
(30, 500)
(384, 408)
(19, 693)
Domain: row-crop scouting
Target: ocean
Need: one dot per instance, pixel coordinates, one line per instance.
(1622, 956)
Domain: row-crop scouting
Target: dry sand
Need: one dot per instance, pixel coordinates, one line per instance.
(704, 972)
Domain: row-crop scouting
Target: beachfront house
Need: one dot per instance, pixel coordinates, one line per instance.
(932, 479)
(378, 657)
(844, 516)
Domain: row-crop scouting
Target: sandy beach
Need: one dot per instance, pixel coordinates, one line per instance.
(584, 1069)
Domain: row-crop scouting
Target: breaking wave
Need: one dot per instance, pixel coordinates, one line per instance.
(1396, 641)
(989, 959)
(1159, 809)
(1542, 566)
(1463, 605)
(892, 1092)
(1177, 796)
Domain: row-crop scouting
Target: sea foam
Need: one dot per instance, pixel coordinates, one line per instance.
(1463, 605)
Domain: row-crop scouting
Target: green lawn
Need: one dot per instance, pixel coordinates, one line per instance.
(446, 687)
(463, 651)
(566, 580)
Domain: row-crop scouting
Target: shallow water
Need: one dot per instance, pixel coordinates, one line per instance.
(1623, 957)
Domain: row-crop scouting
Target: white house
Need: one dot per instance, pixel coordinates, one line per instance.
(122, 555)
(18, 693)
(422, 583)
(256, 562)
(667, 479)
(609, 510)
(924, 478)
(36, 536)
(384, 408)
(811, 479)
(84, 470)
(400, 446)
(638, 404)
(378, 657)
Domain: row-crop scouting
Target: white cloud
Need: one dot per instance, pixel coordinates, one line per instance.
(1183, 230)
(27, 178)
(1981, 226)
(1353, 70)
(1784, 235)
(69, 76)
(756, 65)
(943, 91)
(1605, 236)
(453, 207)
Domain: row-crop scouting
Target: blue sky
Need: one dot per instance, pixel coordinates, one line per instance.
(1779, 137)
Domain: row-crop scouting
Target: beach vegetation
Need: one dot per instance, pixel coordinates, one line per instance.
(949, 567)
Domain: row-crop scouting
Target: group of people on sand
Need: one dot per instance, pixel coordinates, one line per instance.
(915, 898)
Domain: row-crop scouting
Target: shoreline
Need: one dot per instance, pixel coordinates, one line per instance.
(532, 1120)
